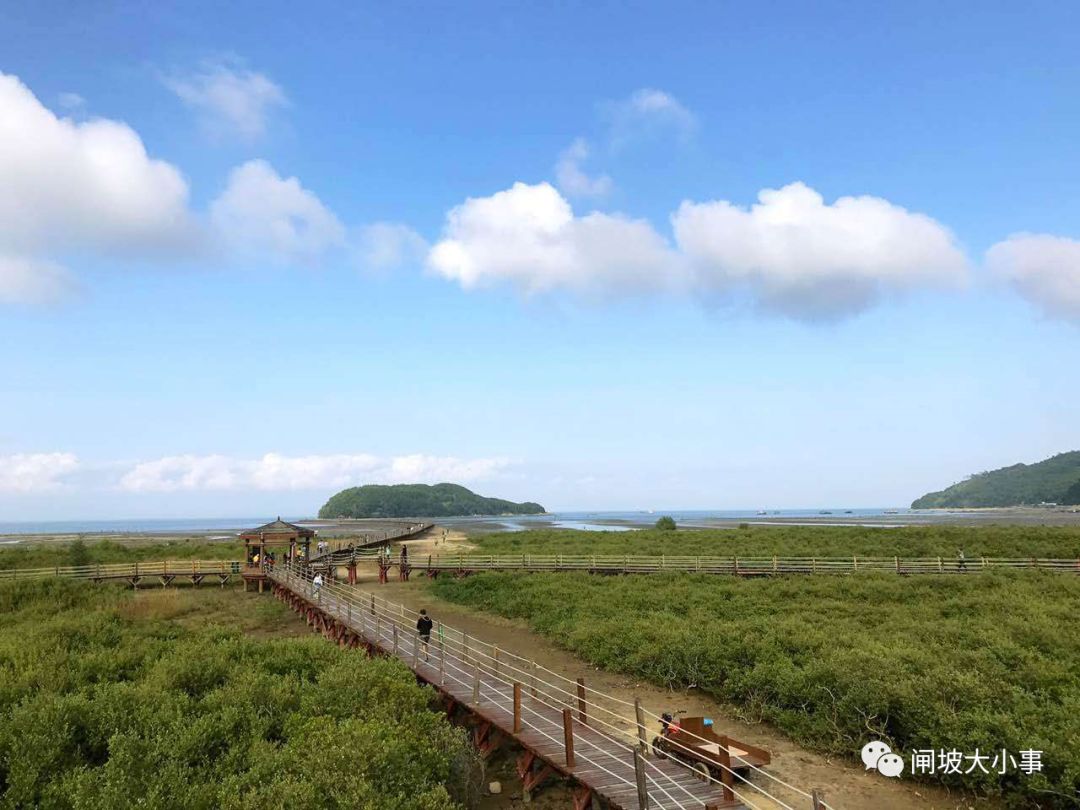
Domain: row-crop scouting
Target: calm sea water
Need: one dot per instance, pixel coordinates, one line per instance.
(601, 521)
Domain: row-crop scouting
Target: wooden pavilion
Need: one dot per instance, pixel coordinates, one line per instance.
(274, 542)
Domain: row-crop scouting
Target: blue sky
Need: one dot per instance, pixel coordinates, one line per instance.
(600, 256)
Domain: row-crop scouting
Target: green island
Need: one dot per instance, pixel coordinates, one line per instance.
(987, 661)
(1054, 480)
(419, 500)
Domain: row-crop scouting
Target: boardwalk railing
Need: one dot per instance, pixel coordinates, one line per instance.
(736, 566)
(371, 540)
(596, 739)
(166, 568)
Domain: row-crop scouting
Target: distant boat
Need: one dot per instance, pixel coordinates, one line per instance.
(892, 511)
(849, 512)
(824, 512)
(762, 512)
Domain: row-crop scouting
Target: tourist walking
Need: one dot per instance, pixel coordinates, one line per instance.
(961, 561)
(423, 630)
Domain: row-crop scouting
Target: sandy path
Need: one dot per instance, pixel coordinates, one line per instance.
(843, 785)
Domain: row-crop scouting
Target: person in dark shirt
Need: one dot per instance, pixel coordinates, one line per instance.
(423, 629)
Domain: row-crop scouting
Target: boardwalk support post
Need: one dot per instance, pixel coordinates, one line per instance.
(581, 711)
(517, 707)
(476, 684)
(568, 736)
(727, 775)
(639, 777)
(642, 735)
(816, 801)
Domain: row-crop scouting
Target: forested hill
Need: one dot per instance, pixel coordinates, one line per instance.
(419, 500)
(1055, 480)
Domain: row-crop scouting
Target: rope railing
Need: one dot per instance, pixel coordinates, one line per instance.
(736, 565)
(472, 657)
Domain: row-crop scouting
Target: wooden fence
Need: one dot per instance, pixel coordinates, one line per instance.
(736, 566)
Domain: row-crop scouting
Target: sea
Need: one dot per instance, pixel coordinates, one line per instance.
(587, 521)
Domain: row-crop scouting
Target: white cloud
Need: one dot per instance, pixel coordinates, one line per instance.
(33, 281)
(71, 101)
(529, 235)
(791, 253)
(804, 258)
(86, 187)
(388, 245)
(228, 98)
(35, 472)
(572, 179)
(262, 214)
(1042, 268)
(648, 113)
(275, 472)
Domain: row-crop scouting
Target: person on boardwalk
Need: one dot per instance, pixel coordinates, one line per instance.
(423, 630)
(317, 583)
(961, 561)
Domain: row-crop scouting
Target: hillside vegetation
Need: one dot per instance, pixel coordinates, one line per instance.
(1054, 480)
(987, 661)
(419, 500)
(113, 700)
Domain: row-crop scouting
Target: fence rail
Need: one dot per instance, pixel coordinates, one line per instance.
(180, 568)
(737, 566)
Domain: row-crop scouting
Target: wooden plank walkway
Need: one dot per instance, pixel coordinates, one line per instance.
(463, 564)
(166, 571)
(602, 760)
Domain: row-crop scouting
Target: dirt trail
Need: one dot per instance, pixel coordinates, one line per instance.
(843, 785)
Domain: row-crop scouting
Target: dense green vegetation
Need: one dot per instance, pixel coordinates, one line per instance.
(799, 541)
(1054, 480)
(665, 523)
(990, 661)
(419, 500)
(43, 555)
(108, 699)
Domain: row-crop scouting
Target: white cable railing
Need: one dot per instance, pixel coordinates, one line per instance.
(552, 691)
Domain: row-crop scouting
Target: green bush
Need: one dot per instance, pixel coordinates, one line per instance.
(100, 709)
(987, 661)
(800, 541)
(666, 524)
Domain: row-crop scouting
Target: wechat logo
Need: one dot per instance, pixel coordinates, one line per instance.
(877, 756)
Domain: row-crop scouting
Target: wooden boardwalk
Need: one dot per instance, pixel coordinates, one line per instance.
(165, 572)
(561, 728)
(464, 564)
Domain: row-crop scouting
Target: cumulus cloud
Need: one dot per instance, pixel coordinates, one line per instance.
(262, 214)
(572, 179)
(802, 257)
(1042, 268)
(649, 112)
(276, 472)
(791, 253)
(229, 99)
(87, 187)
(529, 235)
(35, 472)
(388, 245)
